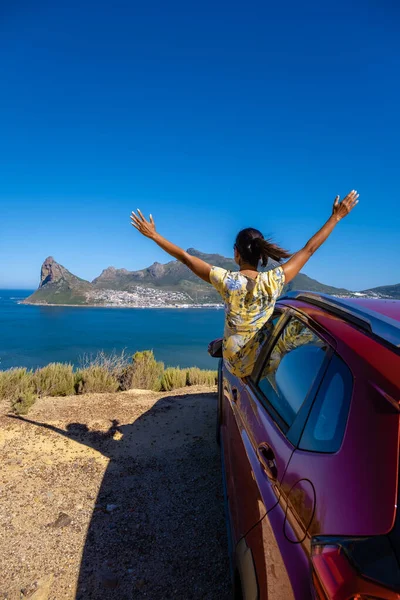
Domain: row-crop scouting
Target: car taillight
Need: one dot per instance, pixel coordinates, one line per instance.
(354, 569)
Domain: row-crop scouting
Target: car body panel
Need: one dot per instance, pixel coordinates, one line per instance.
(246, 425)
(260, 429)
(350, 492)
(353, 498)
(245, 503)
(282, 567)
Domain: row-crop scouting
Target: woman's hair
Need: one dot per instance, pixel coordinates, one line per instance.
(252, 247)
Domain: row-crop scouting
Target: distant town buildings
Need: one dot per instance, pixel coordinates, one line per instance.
(144, 297)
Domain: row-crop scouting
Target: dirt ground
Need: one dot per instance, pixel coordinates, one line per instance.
(113, 496)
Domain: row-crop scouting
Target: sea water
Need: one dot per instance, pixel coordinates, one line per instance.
(33, 336)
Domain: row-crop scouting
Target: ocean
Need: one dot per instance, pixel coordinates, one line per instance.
(33, 336)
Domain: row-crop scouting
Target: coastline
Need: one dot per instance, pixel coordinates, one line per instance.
(153, 307)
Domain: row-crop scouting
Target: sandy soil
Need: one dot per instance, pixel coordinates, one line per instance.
(113, 496)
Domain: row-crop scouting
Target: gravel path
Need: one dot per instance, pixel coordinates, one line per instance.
(113, 496)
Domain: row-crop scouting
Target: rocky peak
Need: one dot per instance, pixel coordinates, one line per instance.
(110, 274)
(156, 269)
(51, 271)
(193, 252)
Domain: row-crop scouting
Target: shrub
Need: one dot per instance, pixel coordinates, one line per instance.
(56, 379)
(16, 386)
(117, 364)
(173, 378)
(15, 382)
(145, 372)
(125, 378)
(95, 379)
(23, 403)
(100, 373)
(196, 376)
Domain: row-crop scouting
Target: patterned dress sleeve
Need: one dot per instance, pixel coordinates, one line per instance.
(273, 283)
(217, 279)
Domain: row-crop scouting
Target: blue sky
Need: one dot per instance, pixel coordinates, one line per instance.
(213, 116)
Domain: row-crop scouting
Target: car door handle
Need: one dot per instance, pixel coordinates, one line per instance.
(267, 461)
(234, 395)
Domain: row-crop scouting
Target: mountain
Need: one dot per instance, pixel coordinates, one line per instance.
(175, 276)
(59, 286)
(384, 291)
(172, 276)
(160, 285)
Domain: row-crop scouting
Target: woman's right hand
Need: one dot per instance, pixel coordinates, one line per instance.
(342, 209)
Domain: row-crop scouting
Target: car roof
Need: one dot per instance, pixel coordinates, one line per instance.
(389, 308)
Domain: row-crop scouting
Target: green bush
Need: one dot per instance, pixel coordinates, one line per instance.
(95, 379)
(15, 382)
(16, 386)
(125, 378)
(56, 379)
(196, 376)
(24, 402)
(173, 378)
(101, 373)
(145, 373)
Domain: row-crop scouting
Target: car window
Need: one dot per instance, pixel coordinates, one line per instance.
(267, 333)
(325, 426)
(291, 369)
(272, 323)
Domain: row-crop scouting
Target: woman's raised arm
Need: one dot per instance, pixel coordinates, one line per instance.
(148, 229)
(340, 210)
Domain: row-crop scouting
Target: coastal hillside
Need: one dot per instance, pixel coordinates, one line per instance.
(59, 286)
(159, 285)
(172, 277)
(385, 291)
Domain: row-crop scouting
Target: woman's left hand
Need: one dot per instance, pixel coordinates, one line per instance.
(146, 228)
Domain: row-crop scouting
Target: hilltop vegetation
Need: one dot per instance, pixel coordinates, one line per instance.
(386, 291)
(104, 373)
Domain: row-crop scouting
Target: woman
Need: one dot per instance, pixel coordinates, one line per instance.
(249, 295)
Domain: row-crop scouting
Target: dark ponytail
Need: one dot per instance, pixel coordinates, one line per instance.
(252, 247)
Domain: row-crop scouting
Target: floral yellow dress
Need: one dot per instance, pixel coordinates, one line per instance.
(249, 304)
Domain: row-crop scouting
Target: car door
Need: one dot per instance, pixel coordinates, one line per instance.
(245, 505)
(299, 502)
(273, 406)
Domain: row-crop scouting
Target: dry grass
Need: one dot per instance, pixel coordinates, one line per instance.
(113, 362)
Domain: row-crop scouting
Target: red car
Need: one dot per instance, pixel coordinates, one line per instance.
(310, 452)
